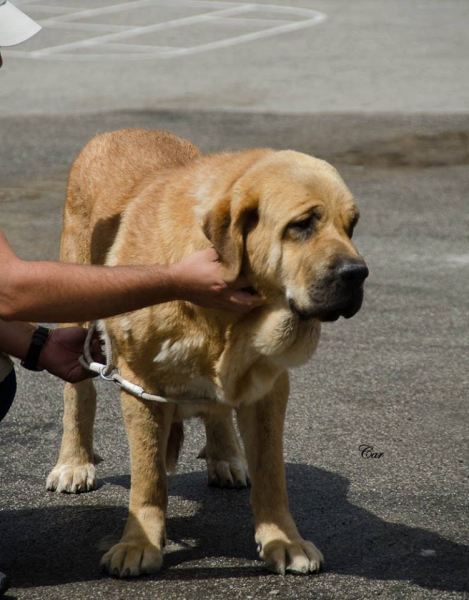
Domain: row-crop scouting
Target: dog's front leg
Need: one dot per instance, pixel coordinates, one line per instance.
(74, 471)
(280, 544)
(140, 549)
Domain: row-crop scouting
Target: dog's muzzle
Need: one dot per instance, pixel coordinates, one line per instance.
(341, 294)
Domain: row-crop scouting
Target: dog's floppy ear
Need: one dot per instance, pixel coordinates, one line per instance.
(225, 226)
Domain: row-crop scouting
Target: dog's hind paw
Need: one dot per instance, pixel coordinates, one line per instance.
(132, 559)
(299, 556)
(231, 473)
(72, 479)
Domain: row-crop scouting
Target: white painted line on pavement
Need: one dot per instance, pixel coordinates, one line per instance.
(143, 47)
(105, 10)
(237, 20)
(247, 37)
(87, 26)
(228, 13)
(204, 17)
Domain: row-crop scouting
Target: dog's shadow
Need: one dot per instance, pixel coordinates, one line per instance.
(48, 546)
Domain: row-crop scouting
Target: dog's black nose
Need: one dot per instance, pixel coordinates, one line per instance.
(352, 271)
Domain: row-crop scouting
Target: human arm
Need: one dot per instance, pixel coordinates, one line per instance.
(53, 292)
(60, 353)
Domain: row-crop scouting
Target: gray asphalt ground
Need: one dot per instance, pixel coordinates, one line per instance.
(367, 56)
(394, 377)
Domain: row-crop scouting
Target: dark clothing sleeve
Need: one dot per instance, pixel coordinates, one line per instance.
(7, 393)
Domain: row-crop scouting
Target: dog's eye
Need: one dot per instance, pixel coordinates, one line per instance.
(352, 225)
(301, 229)
(302, 225)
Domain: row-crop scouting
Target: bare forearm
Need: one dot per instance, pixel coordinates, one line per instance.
(62, 293)
(56, 293)
(15, 338)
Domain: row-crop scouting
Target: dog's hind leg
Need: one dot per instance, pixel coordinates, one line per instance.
(75, 471)
(226, 464)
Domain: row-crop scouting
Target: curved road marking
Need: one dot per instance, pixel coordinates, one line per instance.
(219, 13)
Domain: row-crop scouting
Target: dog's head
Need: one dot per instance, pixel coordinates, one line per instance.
(286, 222)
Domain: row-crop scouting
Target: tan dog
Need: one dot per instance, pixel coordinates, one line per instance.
(282, 218)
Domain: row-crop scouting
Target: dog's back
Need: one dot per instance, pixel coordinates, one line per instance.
(108, 173)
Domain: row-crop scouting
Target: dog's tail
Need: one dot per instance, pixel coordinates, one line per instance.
(175, 440)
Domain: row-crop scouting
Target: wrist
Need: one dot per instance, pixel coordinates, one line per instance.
(24, 336)
(175, 281)
(39, 340)
(44, 357)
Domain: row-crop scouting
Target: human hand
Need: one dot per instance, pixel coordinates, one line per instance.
(199, 280)
(63, 349)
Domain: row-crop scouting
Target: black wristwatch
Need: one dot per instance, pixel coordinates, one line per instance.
(38, 341)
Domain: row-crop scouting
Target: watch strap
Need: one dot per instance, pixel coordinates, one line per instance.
(38, 341)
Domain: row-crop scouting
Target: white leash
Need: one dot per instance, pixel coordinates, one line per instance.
(109, 372)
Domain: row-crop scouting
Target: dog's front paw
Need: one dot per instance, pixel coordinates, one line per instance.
(231, 473)
(72, 479)
(132, 559)
(297, 556)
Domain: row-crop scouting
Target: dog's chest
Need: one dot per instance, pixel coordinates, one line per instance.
(183, 366)
(237, 367)
(255, 355)
(181, 354)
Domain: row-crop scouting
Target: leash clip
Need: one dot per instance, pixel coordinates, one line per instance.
(110, 377)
